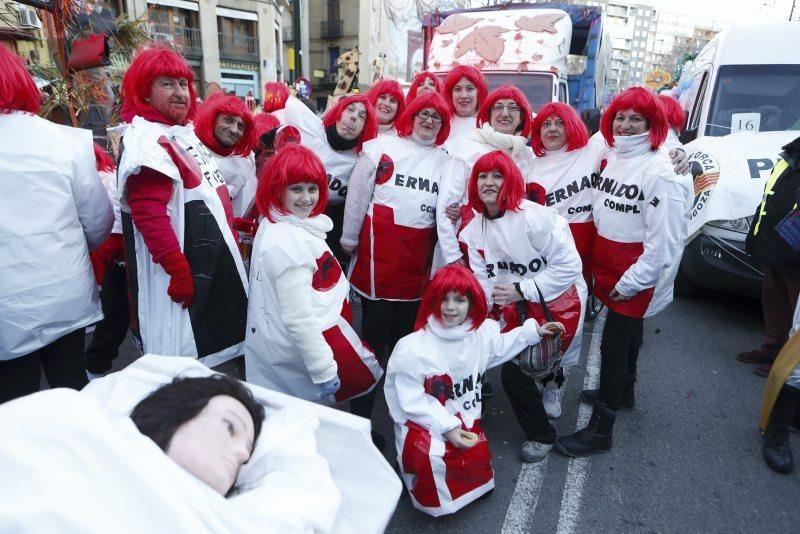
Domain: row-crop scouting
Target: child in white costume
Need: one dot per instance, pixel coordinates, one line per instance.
(299, 338)
(433, 391)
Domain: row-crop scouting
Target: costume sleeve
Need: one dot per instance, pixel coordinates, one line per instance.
(293, 288)
(506, 346)
(452, 191)
(113, 197)
(148, 194)
(555, 244)
(91, 199)
(477, 263)
(359, 195)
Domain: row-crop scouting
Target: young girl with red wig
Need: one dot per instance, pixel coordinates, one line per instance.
(299, 337)
(423, 83)
(386, 96)
(638, 204)
(465, 90)
(522, 252)
(433, 390)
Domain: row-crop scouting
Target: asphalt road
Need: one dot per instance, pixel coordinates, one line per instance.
(686, 459)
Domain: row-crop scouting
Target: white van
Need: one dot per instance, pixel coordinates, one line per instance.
(741, 96)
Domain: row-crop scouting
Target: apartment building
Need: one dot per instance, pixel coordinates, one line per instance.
(21, 32)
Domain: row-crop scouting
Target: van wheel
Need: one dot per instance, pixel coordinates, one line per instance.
(683, 286)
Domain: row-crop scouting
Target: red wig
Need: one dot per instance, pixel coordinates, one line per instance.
(147, 65)
(220, 104)
(102, 160)
(512, 191)
(577, 134)
(672, 108)
(388, 87)
(417, 81)
(642, 102)
(405, 124)
(265, 122)
(462, 281)
(506, 92)
(370, 130)
(292, 164)
(275, 95)
(18, 91)
(470, 73)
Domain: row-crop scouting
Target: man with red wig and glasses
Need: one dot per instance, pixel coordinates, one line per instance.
(187, 279)
(53, 211)
(465, 90)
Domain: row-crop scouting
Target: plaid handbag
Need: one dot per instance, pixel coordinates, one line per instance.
(543, 359)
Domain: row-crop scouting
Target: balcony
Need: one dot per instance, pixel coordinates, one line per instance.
(330, 29)
(238, 47)
(186, 40)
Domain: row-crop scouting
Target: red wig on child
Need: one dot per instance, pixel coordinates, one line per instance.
(220, 104)
(147, 65)
(512, 191)
(470, 73)
(418, 80)
(405, 124)
(642, 102)
(507, 92)
(672, 108)
(292, 164)
(388, 87)
(18, 91)
(275, 96)
(460, 280)
(370, 130)
(576, 132)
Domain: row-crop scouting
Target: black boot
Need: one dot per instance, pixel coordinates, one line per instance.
(589, 396)
(594, 439)
(777, 453)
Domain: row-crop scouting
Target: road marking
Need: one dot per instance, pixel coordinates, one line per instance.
(525, 497)
(576, 472)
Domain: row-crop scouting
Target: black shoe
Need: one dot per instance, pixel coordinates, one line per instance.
(590, 396)
(594, 439)
(378, 440)
(777, 453)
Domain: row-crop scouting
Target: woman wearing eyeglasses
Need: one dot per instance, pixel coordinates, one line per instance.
(389, 223)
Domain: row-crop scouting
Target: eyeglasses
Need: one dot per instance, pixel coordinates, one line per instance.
(425, 115)
(512, 108)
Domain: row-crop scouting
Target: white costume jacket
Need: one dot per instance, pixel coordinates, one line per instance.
(461, 125)
(532, 246)
(299, 337)
(239, 174)
(213, 327)
(433, 385)
(638, 205)
(397, 237)
(53, 211)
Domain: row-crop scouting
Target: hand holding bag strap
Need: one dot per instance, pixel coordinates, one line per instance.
(547, 315)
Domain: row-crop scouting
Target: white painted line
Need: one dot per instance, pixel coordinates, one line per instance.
(525, 497)
(576, 472)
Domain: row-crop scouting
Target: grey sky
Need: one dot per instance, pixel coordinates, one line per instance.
(738, 12)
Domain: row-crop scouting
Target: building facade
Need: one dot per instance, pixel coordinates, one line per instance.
(21, 32)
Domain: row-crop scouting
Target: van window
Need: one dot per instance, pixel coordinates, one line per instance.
(692, 99)
(763, 98)
(562, 92)
(537, 87)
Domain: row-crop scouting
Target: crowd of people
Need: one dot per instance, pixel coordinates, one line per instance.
(467, 227)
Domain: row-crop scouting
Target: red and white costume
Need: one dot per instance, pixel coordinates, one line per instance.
(396, 240)
(461, 125)
(638, 205)
(298, 319)
(433, 385)
(532, 246)
(240, 177)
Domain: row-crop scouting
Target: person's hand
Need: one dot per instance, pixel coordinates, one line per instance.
(460, 261)
(550, 329)
(461, 439)
(326, 389)
(616, 296)
(679, 160)
(504, 294)
(453, 212)
(181, 285)
(348, 249)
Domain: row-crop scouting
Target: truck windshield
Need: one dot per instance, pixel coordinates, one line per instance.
(537, 87)
(760, 98)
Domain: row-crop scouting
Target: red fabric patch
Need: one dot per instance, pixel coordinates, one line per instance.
(354, 374)
(416, 462)
(535, 193)
(565, 309)
(466, 216)
(225, 197)
(584, 234)
(385, 170)
(440, 387)
(468, 469)
(610, 260)
(327, 273)
(187, 166)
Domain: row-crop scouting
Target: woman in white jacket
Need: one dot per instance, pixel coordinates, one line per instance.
(299, 338)
(433, 391)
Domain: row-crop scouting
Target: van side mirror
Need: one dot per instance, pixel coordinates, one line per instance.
(687, 136)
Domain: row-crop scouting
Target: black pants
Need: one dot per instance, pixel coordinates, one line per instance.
(383, 323)
(61, 360)
(336, 213)
(526, 401)
(111, 331)
(619, 350)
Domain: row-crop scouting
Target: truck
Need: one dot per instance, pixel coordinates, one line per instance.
(531, 46)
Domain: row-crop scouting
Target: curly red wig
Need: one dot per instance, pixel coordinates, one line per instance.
(275, 95)
(389, 87)
(147, 65)
(470, 73)
(370, 130)
(18, 91)
(417, 81)
(643, 102)
(507, 92)
(460, 280)
(102, 160)
(405, 124)
(220, 104)
(512, 191)
(675, 114)
(292, 164)
(577, 134)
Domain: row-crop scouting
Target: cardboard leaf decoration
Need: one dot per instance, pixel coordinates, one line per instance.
(456, 23)
(486, 42)
(537, 58)
(539, 23)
